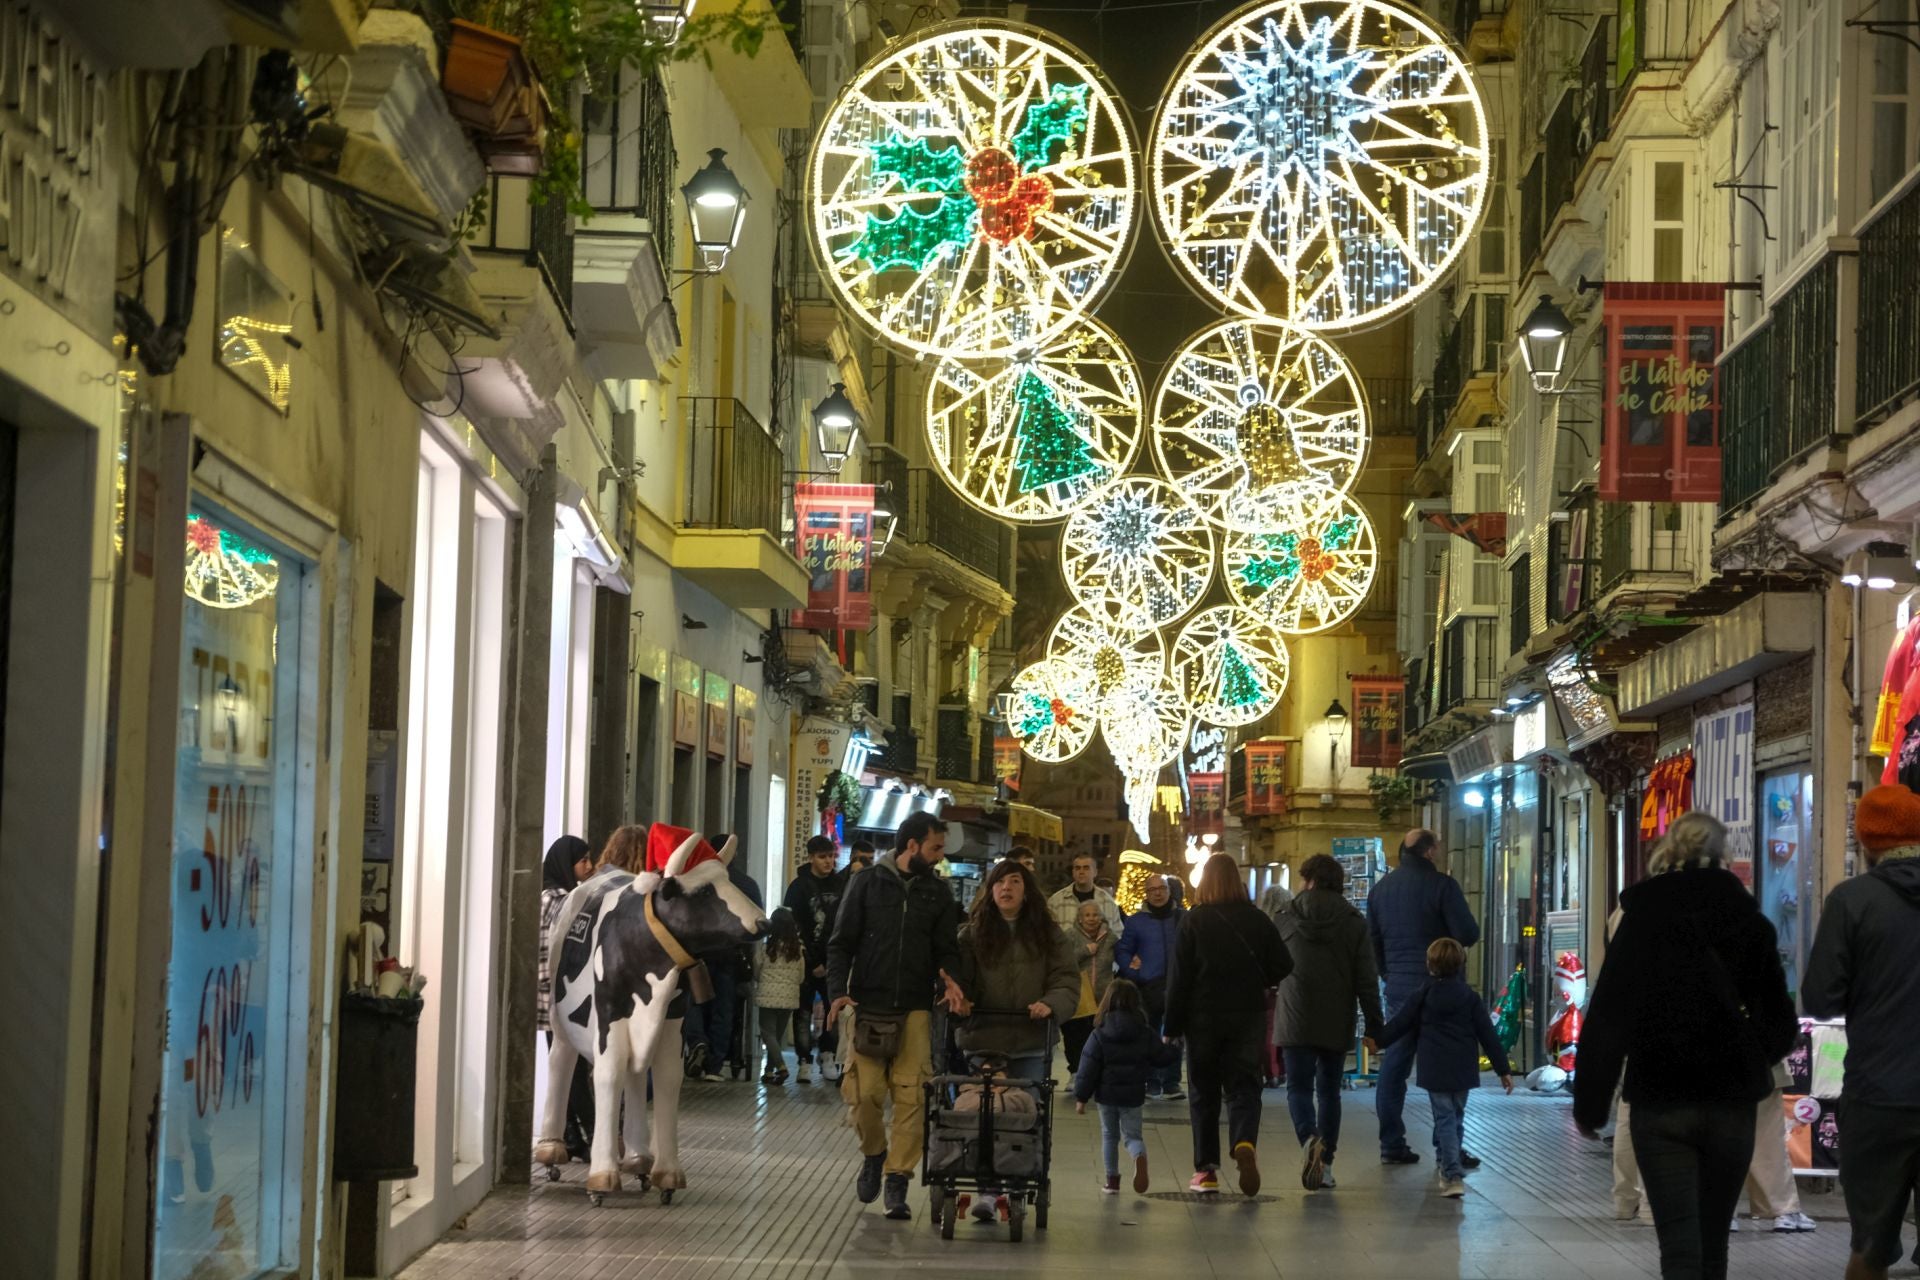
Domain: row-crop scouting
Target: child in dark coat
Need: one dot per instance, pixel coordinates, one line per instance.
(1123, 1052)
(1452, 1029)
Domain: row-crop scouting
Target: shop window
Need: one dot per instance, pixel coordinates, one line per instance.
(1785, 882)
(233, 1090)
(1669, 219)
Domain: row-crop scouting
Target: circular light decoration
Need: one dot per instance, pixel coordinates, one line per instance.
(1113, 645)
(1309, 577)
(1324, 160)
(1054, 710)
(1137, 547)
(1145, 722)
(1230, 665)
(224, 570)
(972, 191)
(1030, 439)
(1257, 422)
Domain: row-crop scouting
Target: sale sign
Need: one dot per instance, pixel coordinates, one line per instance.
(835, 523)
(1662, 437)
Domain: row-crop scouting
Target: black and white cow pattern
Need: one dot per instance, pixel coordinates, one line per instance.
(618, 1000)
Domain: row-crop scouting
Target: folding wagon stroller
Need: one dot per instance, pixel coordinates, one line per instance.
(976, 1141)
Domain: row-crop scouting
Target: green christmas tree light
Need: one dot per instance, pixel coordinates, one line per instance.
(911, 238)
(1058, 118)
(1051, 449)
(1240, 684)
(918, 166)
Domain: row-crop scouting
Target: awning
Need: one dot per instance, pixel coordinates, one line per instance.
(1026, 823)
(1431, 765)
(1768, 631)
(1482, 751)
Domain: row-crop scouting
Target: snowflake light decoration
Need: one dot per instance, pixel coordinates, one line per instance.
(1054, 712)
(1256, 423)
(1030, 439)
(1114, 645)
(1320, 160)
(1309, 577)
(972, 191)
(1138, 546)
(224, 570)
(1230, 666)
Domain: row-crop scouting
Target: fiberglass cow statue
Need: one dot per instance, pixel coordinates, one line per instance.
(622, 959)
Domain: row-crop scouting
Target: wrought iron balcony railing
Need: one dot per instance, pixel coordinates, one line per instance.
(933, 514)
(1777, 397)
(1889, 332)
(735, 481)
(628, 156)
(542, 234)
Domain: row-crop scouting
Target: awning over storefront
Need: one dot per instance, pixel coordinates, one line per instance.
(1431, 765)
(888, 806)
(1027, 824)
(1481, 752)
(1767, 631)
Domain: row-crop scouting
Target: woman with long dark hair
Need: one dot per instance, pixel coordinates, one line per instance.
(778, 968)
(1013, 957)
(1227, 958)
(1692, 997)
(569, 860)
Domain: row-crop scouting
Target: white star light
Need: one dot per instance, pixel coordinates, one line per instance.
(1296, 107)
(1127, 524)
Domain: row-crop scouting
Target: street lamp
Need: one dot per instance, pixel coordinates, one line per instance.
(717, 207)
(665, 18)
(1543, 343)
(1336, 717)
(835, 423)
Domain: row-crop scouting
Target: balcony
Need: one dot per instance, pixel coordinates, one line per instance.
(729, 541)
(1519, 602)
(1642, 540)
(1470, 349)
(932, 515)
(624, 253)
(1390, 408)
(393, 98)
(1889, 334)
(1471, 663)
(954, 756)
(1777, 400)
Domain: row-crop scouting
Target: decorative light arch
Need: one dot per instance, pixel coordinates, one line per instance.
(1114, 645)
(1055, 711)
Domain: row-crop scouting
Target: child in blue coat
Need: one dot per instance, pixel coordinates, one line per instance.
(1114, 1067)
(1452, 1029)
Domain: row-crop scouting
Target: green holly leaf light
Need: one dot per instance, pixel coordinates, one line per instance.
(911, 238)
(918, 165)
(1261, 572)
(1051, 448)
(1057, 118)
(1340, 534)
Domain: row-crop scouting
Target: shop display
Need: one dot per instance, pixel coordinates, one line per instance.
(1816, 1068)
(1569, 1003)
(1669, 794)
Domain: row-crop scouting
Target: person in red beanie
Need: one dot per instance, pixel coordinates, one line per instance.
(1865, 967)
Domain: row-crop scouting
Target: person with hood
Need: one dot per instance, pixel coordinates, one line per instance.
(1693, 999)
(814, 898)
(1093, 947)
(1142, 956)
(1411, 908)
(1013, 957)
(1865, 967)
(1227, 957)
(894, 949)
(1112, 1072)
(1333, 973)
(568, 861)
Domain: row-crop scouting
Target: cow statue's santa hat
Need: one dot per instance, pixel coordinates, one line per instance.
(620, 954)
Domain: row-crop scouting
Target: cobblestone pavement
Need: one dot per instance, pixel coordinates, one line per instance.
(771, 1195)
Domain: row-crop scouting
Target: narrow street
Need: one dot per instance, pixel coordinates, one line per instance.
(772, 1196)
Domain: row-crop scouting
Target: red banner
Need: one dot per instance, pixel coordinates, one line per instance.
(835, 523)
(1266, 773)
(1207, 803)
(1662, 437)
(1006, 761)
(1486, 530)
(1377, 707)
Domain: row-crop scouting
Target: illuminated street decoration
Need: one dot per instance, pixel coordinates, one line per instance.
(224, 570)
(1256, 423)
(1145, 723)
(1136, 545)
(1139, 791)
(1230, 666)
(1031, 439)
(972, 191)
(1320, 160)
(1114, 645)
(243, 347)
(1054, 712)
(1307, 577)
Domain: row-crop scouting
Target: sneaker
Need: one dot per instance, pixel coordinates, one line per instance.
(1173, 1095)
(769, 1077)
(1140, 1175)
(1205, 1183)
(1794, 1222)
(1468, 1160)
(1326, 1180)
(1313, 1168)
(804, 1073)
(1112, 1185)
(986, 1208)
(713, 1077)
(1453, 1188)
(867, 1186)
(895, 1197)
(1399, 1157)
(1248, 1164)
(1734, 1225)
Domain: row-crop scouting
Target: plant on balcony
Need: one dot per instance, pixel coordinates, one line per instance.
(1392, 793)
(576, 42)
(841, 794)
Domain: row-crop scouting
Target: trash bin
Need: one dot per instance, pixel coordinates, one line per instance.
(373, 1110)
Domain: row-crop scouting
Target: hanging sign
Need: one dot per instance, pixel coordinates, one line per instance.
(1662, 437)
(835, 523)
(1377, 720)
(1006, 761)
(1207, 803)
(1262, 784)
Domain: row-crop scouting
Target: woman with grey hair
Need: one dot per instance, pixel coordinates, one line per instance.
(1693, 999)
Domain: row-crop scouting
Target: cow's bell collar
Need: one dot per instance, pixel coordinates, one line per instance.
(682, 958)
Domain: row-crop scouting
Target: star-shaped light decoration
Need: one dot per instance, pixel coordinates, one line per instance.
(1295, 110)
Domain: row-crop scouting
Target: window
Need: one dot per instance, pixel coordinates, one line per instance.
(1892, 149)
(1669, 219)
(1809, 58)
(1493, 330)
(1493, 227)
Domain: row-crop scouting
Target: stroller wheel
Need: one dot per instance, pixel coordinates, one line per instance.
(1016, 1218)
(1040, 1212)
(949, 1210)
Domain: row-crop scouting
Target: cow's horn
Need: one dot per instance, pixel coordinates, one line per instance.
(728, 849)
(678, 862)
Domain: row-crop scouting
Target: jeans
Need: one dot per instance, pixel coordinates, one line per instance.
(1396, 1067)
(1223, 1059)
(1449, 1131)
(711, 1024)
(811, 987)
(773, 1036)
(1311, 1072)
(1693, 1160)
(1118, 1125)
(1153, 994)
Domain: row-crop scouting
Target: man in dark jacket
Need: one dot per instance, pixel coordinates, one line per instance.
(1142, 955)
(895, 945)
(1333, 974)
(1408, 911)
(708, 1031)
(1865, 967)
(813, 897)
